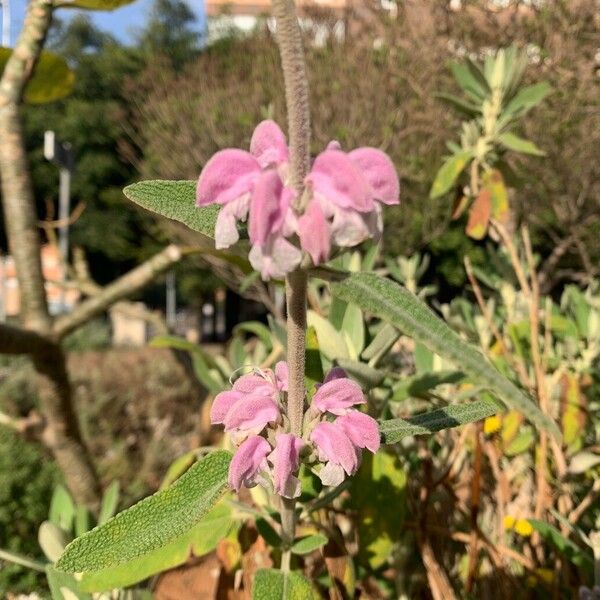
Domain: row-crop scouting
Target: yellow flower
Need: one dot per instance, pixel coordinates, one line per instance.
(492, 424)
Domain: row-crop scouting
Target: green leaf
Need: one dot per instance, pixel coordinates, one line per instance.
(309, 544)
(62, 508)
(394, 430)
(201, 539)
(82, 520)
(268, 533)
(518, 144)
(51, 80)
(313, 370)
(417, 386)
(353, 329)
(378, 494)
(382, 343)
(261, 331)
(449, 173)
(331, 342)
(470, 79)
(270, 584)
(64, 586)
(110, 501)
(174, 200)
(522, 442)
(152, 523)
(395, 304)
(52, 540)
(569, 549)
(367, 376)
(463, 106)
(527, 98)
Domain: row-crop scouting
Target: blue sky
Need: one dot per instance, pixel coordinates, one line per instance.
(120, 22)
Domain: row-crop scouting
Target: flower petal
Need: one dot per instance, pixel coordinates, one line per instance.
(276, 259)
(251, 413)
(335, 373)
(226, 233)
(380, 172)
(286, 459)
(334, 445)
(269, 145)
(281, 375)
(228, 175)
(268, 208)
(362, 430)
(337, 396)
(350, 228)
(221, 405)
(339, 180)
(249, 459)
(332, 474)
(314, 233)
(253, 384)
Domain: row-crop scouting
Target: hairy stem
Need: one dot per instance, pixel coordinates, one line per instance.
(289, 39)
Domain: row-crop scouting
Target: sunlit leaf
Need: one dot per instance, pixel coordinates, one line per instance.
(493, 181)
(270, 584)
(448, 173)
(153, 523)
(394, 303)
(519, 144)
(526, 98)
(51, 80)
(309, 544)
(479, 215)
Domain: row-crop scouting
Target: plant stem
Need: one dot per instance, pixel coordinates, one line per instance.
(289, 39)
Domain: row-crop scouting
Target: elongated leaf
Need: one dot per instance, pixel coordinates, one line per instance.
(518, 144)
(469, 81)
(52, 79)
(578, 556)
(419, 385)
(449, 173)
(152, 523)
(270, 584)
(463, 106)
(395, 304)
(62, 508)
(309, 544)
(527, 98)
(64, 586)
(174, 200)
(110, 501)
(199, 540)
(394, 430)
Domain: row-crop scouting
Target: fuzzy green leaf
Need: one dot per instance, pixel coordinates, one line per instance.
(578, 556)
(152, 523)
(394, 430)
(395, 304)
(270, 584)
(174, 200)
(527, 98)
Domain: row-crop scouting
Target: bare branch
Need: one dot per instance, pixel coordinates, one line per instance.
(123, 287)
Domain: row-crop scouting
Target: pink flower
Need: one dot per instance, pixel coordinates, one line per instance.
(336, 449)
(251, 414)
(362, 430)
(286, 459)
(248, 461)
(348, 187)
(315, 233)
(337, 396)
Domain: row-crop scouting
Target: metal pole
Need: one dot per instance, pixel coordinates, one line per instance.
(171, 307)
(5, 23)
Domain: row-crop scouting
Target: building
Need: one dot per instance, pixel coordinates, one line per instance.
(59, 298)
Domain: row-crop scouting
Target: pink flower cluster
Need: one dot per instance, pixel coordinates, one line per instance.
(342, 201)
(253, 412)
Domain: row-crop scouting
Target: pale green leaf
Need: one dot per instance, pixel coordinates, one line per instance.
(526, 98)
(152, 523)
(199, 540)
(64, 586)
(518, 144)
(395, 304)
(353, 328)
(270, 584)
(394, 430)
(174, 200)
(449, 173)
(51, 80)
(62, 508)
(110, 501)
(309, 544)
(331, 342)
(578, 556)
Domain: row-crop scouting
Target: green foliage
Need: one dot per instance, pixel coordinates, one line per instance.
(270, 584)
(395, 304)
(394, 430)
(152, 523)
(309, 544)
(52, 79)
(175, 200)
(93, 4)
(27, 482)
(378, 495)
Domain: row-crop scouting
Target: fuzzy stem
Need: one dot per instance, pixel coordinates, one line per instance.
(289, 39)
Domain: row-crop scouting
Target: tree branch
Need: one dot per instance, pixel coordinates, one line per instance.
(15, 340)
(123, 287)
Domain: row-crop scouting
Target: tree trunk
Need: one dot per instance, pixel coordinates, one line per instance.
(62, 434)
